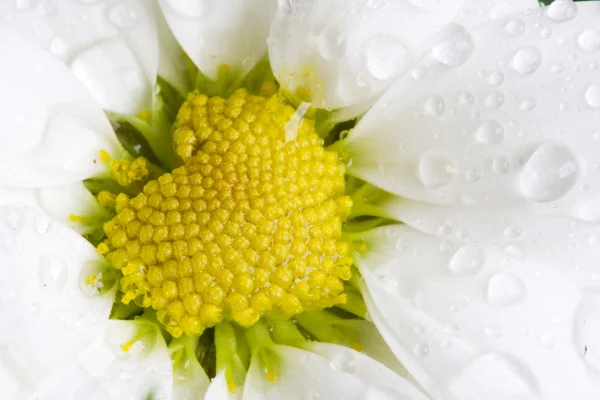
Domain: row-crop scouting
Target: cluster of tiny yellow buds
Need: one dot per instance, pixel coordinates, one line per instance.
(249, 226)
(127, 172)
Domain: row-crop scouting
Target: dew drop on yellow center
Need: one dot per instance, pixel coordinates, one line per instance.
(249, 226)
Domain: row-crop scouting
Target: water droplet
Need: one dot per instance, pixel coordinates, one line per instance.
(500, 165)
(47, 8)
(496, 78)
(494, 100)
(505, 289)
(527, 60)
(123, 15)
(514, 252)
(434, 105)
(466, 99)
(594, 239)
(418, 73)
(587, 326)
(15, 219)
(445, 230)
(389, 283)
(452, 330)
(188, 9)
(589, 39)
(59, 47)
(562, 10)
(528, 104)
(345, 362)
(436, 169)
(446, 344)
(489, 132)
(592, 95)
(547, 340)
(42, 224)
(420, 329)
(386, 57)
(512, 232)
(515, 27)
(456, 47)
(557, 68)
(467, 260)
(550, 173)
(53, 273)
(492, 331)
(473, 174)
(421, 349)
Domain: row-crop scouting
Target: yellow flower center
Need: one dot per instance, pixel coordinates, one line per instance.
(249, 226)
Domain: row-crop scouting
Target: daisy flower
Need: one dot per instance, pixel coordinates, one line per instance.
(311, 199)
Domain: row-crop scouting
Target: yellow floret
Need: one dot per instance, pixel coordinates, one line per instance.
(249, 226)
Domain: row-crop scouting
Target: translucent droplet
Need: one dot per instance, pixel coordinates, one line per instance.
(500, 165)
(512, 232)
(546, 340)
(489, 132)
(527, 60)
(434, 105)
(496, 78)
(15, 219)
(492, 331)
(47, 8)
(436, 169)
(344, 362)
(505, 289)
(53, 273)
(494, 100)
(528, 104)
(589, 39)
(562, 10)
(467, 260)
(452, 330)
(386, 57)
(515, 27)
(389, 283)
(421, 349)
(418, 73)
(456, 47)
(550, 173)
(594, 239)
(473, 174)
(587, 326)
(123, 15)
(446, 344)
(188, 9)
(514, 252)
(42, 224)
(592, 95)
(59, 47)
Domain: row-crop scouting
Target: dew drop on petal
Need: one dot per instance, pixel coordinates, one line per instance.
(505, 289)
(492, 331)
(589, 39)
(15, 219)
(53, 273)
(59, 47)
(515, 27)
(500, 165)
(418, 73)
(421, 349)
(592, 95)
(434, 106)
(466, 260)
(386, 57)
(550, 173)
(528, 104)
(594, 239)
(546, 340)
(436, 169)
(456, 47)
(188, 9)
(47, 8)
(489, 132)
(344, 362)
(562, 10)
(587, 326)
(527, 60)
(496, 78)
(123, 15)
(42, 224)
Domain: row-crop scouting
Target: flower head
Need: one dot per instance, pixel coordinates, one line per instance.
(305, 199)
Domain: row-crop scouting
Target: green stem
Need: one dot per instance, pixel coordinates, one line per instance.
(287, 333)
(354, 303)
(320, 325)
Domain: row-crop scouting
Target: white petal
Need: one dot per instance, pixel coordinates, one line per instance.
(478, 322)
(46, 319)
(218, 389)
(58, 202)
(217, 32)
(326, 371)
(111, 45)
(129, 360)
(346, 52)
(52, 131)
(502, 116)
(481, 226)
(189, 378)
